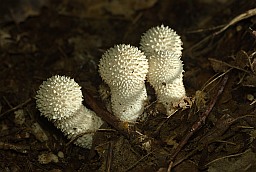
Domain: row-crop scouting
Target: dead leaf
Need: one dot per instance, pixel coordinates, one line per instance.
(241, 60)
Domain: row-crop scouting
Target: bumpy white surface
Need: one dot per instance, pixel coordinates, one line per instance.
(163, 48)
(170, 93)
(59, 97)
(124, 69)
(161, 38)
(163, 68)
(128, 105)
(84, 122)
(123, 66)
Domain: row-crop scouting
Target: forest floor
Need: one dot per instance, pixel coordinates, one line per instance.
(39, 39)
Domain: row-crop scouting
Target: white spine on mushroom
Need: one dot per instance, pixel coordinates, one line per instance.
(163, 48)
(124, 69)
(161, 38)
(60, 100)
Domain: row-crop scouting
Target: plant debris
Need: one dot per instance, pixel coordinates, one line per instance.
(40, 38)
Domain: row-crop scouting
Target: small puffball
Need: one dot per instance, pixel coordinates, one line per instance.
(60, 100)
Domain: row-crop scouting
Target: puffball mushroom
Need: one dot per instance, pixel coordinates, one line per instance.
(124, 69)
(59, 99)
(161, 38)
(162, 47)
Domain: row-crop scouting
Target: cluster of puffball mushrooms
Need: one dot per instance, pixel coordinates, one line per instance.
(124, 68)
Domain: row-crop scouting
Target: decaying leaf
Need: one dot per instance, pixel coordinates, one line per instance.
(241, 59)
(200, 99)
(171, 141)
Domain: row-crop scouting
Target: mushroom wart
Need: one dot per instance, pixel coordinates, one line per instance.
(124, 69)
(59, 99)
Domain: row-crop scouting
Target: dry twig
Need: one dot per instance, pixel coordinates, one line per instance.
(106, 116)
(198, 124)
(245, 15)
(16, 107)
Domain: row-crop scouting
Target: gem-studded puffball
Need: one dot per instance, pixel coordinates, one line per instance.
(59, 97)
(165, 76)
(161, 38)
(124, 69)
(163, 48)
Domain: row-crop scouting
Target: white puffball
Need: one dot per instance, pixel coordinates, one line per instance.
(124, 69)
(59, 97)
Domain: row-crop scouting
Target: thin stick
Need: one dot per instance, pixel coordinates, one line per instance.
(107, 116)
(88, 132)
(16, 107)
(229, 65)
(198, 124)
(213, 80)
(141, 159)
(229, 156)
(235, 20)
(109, 157)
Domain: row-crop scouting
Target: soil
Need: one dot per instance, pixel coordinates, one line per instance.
(39, 39)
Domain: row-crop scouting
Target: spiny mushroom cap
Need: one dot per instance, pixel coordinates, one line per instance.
(123, 66)
(59, 97)
(164, 67)
(84, 121)
(161, 38)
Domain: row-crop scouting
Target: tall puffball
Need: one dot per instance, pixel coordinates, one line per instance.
(124, 69)
(163, 48)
